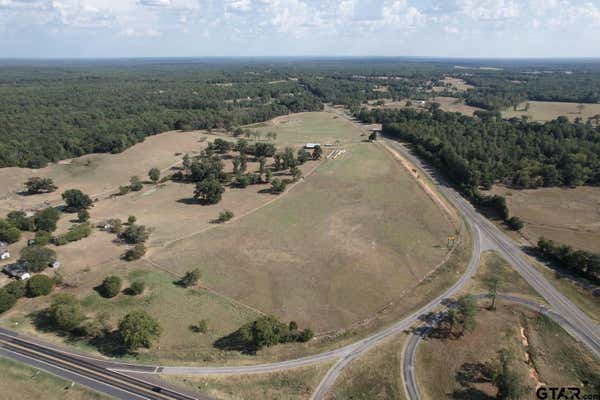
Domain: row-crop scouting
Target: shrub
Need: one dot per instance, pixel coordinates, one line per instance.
(7, 300)
(37, 258)
(135, 253)
(135, 184)
(306, 335)
(135, 234)
(65, 312)
(202, 326)
(42, 238)
(76, 200)
(39, 285)
(20, 220)
(190, 278)
(137, 287)
(154, 174)
(76, 232)
(515, 223)
(16, 288)
(83, 215)
(242, 181)
(278, 186)
(225, 216)
(37, 185)
(110, 287)
(123, 190)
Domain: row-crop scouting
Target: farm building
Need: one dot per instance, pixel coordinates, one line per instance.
(17, 271)
(55, 264)
(311, 145)
(4, 254)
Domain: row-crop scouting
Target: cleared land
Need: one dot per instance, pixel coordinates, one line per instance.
(453, 84)
(337, 249)
(449, 104)
(375, 375)
(545, 353)
(31, 384)
(549, 110)
(568, 216)
(297, 384)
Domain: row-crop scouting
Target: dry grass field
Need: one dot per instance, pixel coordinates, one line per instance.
(296, 384)
(25, 383)
(455, 85)
(375, 375)
(569, 216)
(338, 247)
(449, 104)
(549, 110)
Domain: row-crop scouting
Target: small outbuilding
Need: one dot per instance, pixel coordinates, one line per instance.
(311, 145)
(55, 264)
(17, 271)
(4, 254)
(31, 242)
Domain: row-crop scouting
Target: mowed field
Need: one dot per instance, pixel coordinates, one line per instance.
(549, 110)
(545, 353)
(24, 383)
(340, 246)
(568, 216)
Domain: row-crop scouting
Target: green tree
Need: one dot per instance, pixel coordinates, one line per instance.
(262, 161)
(8, 232)
(83, 215)
(37, 258)
(37, 185)
(135, 253)
(467, 308)
(317, 153)
(268, 176)
(492, 285)
(373, 136)
(236, 161)
(510, 384)
(65, 312)
(191, 278)
(20, 220)
(209, 191)
(135, 184)
(278, 186)
(16, 288)
(135, 234)
(137, 287)
(123, 190)
(110, 287)
(154, 174)
(515, 223)
(76, 200)
(138, 329)
(131, 220)
(42, 238)
(296, 173)
(46, 219)
(39, 285)
(7, 300)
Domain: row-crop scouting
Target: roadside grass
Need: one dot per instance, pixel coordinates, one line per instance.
(296, 384)
(565, 215)
(377, 374)
(493, 266)
(25, 383)
(348, 241)
(548, 110)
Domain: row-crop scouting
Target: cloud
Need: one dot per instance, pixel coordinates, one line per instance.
(147, 32)
(155, 3)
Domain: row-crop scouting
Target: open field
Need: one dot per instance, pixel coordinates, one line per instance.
(449, 104)
(375, 375)
(338, 248)
(549, 110)
(296, 384)
(545, 354)
(453, 84)
(565, 215)
(25, 383)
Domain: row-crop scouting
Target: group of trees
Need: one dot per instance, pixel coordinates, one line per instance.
(577, 262)
(36, 185)
(461, 317)
(37, 285)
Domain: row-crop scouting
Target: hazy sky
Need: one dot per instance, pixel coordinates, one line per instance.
(455, 28)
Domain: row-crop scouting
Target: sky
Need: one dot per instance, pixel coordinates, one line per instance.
(195, 28)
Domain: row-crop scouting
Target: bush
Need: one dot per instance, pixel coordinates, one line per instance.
(76, 232)
(110, 287)
(7, 300)
(76, 200)
(20, 220)
(202, 326)
(8, 232)
(16, 288)
(306, 335)
(37, 258)
(42, 238)
(515, 223)
(242, 181)
(45, 220)
(135, 234)
(135, 184)
(123, 190)
(278, 186)
(39, 285)
(225, 216)
(83, 215)
(65, 312)
(154, 175)
(137, 288)
(190, 278)
(135, 253)
(138, 329)
(37, 185)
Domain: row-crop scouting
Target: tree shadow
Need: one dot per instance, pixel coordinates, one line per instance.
(470, 394)
(109, 344)
(235, 342)
(189, 201)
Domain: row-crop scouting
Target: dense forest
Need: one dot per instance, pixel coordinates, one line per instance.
(51, 110)
(479, 151)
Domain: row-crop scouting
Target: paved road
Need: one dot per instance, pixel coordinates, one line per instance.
(409, 352)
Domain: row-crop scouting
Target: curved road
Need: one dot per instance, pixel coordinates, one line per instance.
(409, 352)
(485, 236)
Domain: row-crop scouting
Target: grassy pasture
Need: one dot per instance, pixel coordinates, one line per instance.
(339, 247)
(549, 110)
(456, 85)
(26, 383)
(449, 104)
(569, 216)
(296, 384)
